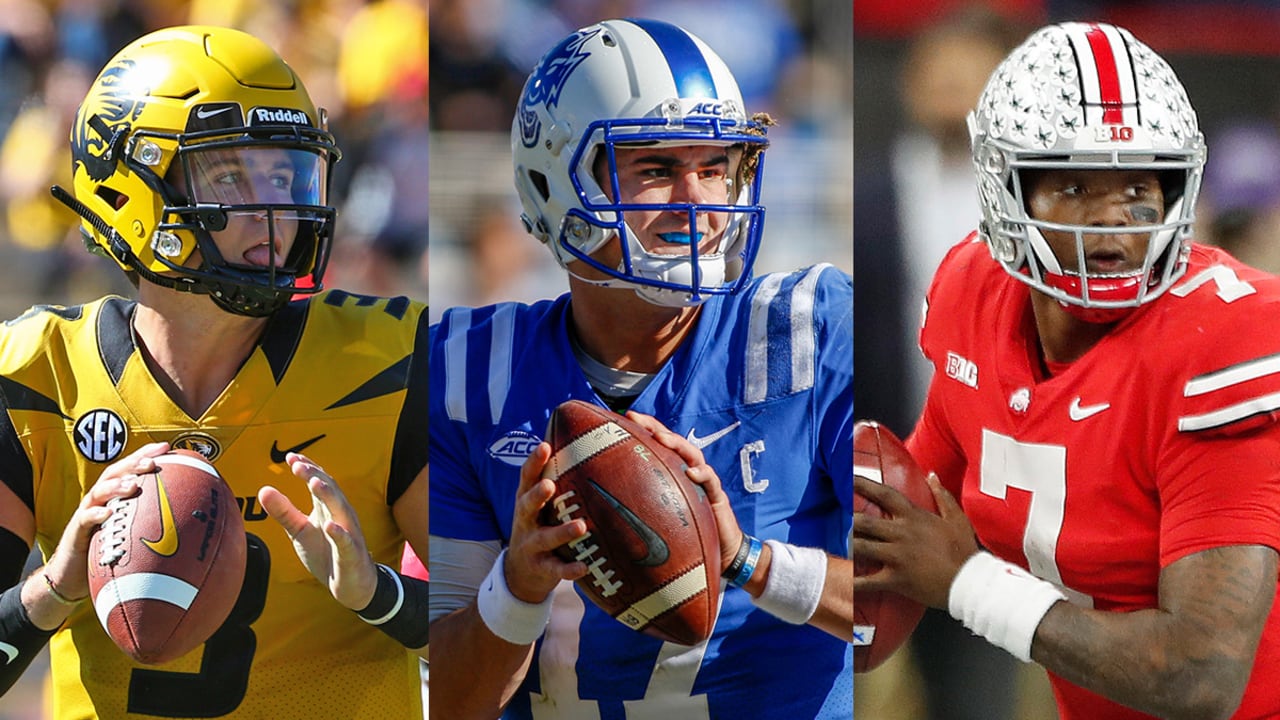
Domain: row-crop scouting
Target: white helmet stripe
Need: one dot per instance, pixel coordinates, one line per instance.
(1106, 74)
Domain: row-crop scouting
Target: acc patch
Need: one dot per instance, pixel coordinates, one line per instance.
(203, 443)
(101, 435)
(514, 447)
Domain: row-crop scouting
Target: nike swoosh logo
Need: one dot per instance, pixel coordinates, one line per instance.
(167, 543)
(278, 455)
(206, 114)
(1079, 412)
(656, 550)
(702, 442)
(11, 652)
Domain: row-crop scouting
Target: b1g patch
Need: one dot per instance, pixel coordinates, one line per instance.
(203, 443)
(101, 435)
(514, 447)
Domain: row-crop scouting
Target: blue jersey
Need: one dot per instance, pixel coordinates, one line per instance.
(764, 385)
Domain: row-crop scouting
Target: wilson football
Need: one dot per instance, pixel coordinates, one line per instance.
(166, 567)
(882, 621)
(651, 544)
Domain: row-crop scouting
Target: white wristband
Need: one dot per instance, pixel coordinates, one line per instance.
(1001, 602)
(507, 616)
(796, 578)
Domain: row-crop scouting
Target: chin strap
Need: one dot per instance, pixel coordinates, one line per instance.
(120, 249)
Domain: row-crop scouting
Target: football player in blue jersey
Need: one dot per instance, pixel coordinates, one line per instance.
(639, 168)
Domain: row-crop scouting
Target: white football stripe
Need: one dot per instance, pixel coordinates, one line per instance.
(586, 446)
(187, 460)
(1234, 375)
(670, 596)
(143, 586)
(863, 635)
(1228, 415)
(868, 472)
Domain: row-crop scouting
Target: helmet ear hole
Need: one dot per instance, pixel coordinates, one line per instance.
(540, 184)
(112, 197)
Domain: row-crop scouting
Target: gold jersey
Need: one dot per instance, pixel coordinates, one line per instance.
(336, 377)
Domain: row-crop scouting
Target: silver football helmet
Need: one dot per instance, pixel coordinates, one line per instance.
(1086, 96)
(634, 83)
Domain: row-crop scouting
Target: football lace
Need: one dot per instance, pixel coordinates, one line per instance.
(114, 530)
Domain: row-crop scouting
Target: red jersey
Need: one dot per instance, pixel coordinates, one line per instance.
(1159, 442)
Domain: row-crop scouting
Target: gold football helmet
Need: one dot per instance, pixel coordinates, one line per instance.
(186, 131)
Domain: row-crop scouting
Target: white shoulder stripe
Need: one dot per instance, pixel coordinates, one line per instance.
(455, 364)
(757, 365)
(1233, 375)
(500, 354)
(1228, 415)
(803, 340)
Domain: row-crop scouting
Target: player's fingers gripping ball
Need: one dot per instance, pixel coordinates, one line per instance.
(166, 567)
(882, 621)
(651, 548)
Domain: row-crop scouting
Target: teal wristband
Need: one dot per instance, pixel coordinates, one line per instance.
(749, 566)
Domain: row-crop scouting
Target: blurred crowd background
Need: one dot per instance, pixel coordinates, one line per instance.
(919, 68)
(792, 59)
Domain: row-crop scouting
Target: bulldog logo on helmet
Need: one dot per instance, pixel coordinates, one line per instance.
(110, 117)
(548, 80)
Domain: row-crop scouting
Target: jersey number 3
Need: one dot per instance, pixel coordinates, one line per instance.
(220, 686)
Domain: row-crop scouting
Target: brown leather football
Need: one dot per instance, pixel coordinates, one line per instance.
(651, 544)
(882, 621)
(166, 568)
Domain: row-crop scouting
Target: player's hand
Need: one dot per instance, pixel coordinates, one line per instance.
(705, 476)
(921, 552)
(531, 569)
(68, 567)
(328, 540)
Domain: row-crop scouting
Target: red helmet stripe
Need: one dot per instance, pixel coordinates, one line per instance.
(1104, 59)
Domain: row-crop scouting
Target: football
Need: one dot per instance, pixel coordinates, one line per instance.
(651, 544)
(882, 621)
(166, 567)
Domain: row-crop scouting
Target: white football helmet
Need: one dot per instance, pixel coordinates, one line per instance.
(634, 83)
(1086, 96)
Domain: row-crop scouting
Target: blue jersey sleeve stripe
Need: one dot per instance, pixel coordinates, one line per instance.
(689, 67)
(455, 364)
(757, 361)
(500, 358)
(803, 332)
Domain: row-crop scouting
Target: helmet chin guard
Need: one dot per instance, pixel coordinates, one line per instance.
(633, 84)
(1086, 96)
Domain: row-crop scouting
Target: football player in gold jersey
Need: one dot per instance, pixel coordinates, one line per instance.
(202, 167)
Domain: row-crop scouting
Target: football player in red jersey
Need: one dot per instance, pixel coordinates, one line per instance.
(1104, 403)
